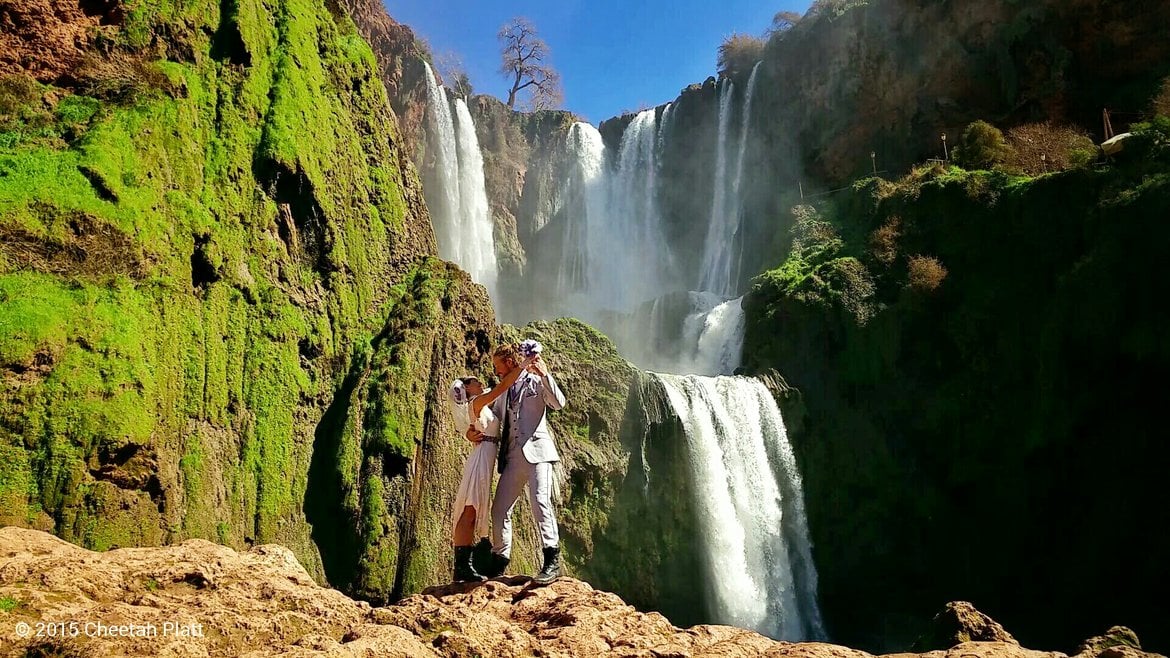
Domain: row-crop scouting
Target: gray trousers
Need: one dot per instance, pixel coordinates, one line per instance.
(539, 478)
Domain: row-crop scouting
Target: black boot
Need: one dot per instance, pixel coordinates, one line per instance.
(552, 566)
(464, 571)
(499, 564)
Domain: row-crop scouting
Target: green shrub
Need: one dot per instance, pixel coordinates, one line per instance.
(123, 79)
(77, 110)
(17, 91)
(982, 146)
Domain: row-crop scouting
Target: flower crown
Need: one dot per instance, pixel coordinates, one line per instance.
(458, 392)
(530, 348)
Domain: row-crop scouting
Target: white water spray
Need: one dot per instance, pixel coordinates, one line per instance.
(712, 336)
(751, 506)
(720, 260)
(614, 253)
(459, 205)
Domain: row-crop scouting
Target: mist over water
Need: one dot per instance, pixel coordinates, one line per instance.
(614, 254)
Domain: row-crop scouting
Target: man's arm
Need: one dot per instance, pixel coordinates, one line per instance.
(553, 397)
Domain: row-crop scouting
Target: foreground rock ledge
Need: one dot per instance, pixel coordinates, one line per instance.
(203, 599)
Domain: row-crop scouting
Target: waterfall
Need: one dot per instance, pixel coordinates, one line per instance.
(614, 255)
(459, 208)
(585, 193)
(638, 258)
(711, 279)
(713, 334)
(726, 206)
(476, 250)
(750, 505)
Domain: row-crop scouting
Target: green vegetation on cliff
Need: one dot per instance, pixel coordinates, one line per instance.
(981, 357)
(191, 254)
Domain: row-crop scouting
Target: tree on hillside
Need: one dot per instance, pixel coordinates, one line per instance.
(982, 146)
(739, 53)
(1038, 148)
(524, 60)
(783, 21)
(451, 68)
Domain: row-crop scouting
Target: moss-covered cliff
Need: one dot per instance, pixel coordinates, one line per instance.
(218, 309)
(981, 357)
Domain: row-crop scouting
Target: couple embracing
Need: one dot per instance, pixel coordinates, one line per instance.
(507, 424)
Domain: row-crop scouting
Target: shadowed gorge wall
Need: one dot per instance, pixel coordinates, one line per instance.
(980, 365)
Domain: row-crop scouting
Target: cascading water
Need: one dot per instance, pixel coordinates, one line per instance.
(751, 506)
(614, 253)
(616, 271)
(458, 198)
(475, 249)
(720, 254)
(712, 277)
(713, 333)
(586, 194)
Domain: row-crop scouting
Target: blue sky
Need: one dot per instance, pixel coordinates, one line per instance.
(613, 55)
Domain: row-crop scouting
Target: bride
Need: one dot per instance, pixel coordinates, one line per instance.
(472, 510)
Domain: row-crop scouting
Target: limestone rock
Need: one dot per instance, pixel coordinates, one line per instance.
(207, 600)
(48, 38)
(960, 622)
(1116, 642)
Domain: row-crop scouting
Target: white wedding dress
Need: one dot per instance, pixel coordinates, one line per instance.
(475, 489)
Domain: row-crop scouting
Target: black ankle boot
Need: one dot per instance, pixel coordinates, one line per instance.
(499, 564)
(464, 571)
(552, 566)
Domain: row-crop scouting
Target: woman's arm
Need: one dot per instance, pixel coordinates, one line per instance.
(481, 401)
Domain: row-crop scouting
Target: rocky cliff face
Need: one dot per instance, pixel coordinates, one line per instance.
(400, 58)
(221, 314)
(980, 373)
(203, 599)
(203, 222)
(890, 77)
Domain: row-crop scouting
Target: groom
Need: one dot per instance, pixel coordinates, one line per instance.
(527, 454)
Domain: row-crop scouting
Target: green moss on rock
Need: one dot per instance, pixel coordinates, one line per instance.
(187, 273)
(1016, 394)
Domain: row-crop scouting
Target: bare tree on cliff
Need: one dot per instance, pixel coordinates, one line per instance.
(524, 60)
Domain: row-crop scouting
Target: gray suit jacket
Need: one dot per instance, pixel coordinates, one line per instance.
(537, 395)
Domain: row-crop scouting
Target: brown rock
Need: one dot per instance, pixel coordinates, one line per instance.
(984, 650)
(1117, 642)
(263, 603)
(48, 38)
(960, 622)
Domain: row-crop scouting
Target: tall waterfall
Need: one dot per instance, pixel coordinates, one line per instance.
(750, 503)
(459, 207)
(614, 255)
(721, 255)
